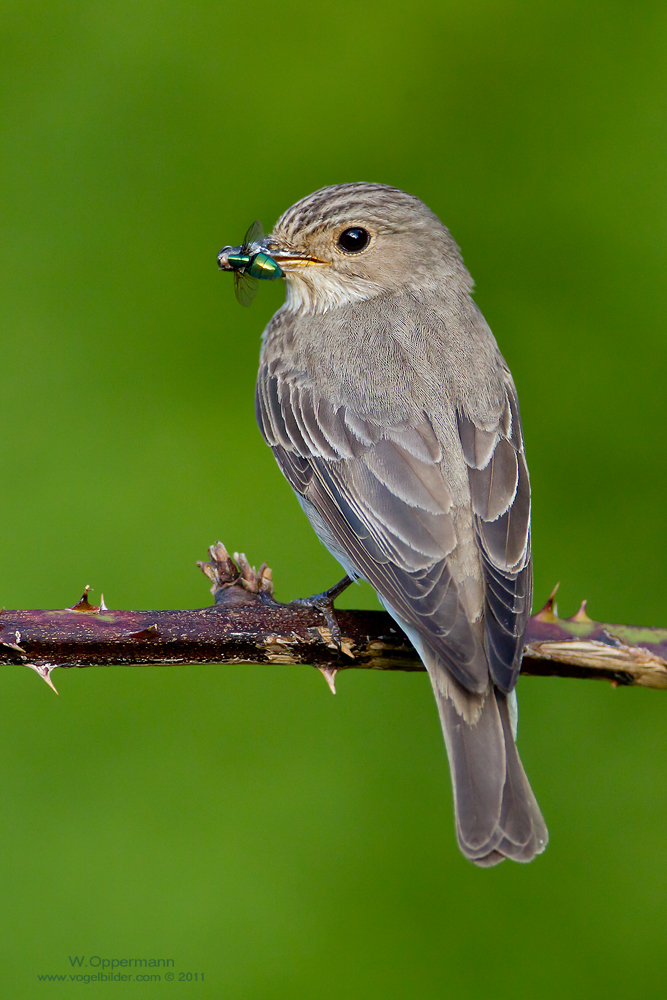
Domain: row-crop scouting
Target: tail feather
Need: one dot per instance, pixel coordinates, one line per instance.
(497, 816)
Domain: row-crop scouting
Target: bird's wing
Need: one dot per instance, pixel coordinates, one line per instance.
(500, 493)
(379, 496)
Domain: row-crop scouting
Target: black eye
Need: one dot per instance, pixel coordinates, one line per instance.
(353, 240)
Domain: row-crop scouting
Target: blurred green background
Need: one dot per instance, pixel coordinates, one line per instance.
(241, 820)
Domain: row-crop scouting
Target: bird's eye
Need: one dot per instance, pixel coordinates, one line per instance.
(354, 240)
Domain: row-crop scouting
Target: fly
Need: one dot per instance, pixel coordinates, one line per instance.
(250, 263)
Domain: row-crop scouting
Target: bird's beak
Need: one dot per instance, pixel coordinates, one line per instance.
(290, 260)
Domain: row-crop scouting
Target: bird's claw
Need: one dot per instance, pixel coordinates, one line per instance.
(324, 603)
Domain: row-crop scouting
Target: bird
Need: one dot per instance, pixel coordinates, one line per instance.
(394, 418)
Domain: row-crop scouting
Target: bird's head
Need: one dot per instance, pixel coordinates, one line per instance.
(352, 242)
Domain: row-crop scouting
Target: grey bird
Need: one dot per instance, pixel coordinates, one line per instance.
(394, 417)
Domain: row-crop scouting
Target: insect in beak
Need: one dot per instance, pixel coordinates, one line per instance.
(250, 263)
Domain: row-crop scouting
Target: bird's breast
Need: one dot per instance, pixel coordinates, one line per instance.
(392, 358)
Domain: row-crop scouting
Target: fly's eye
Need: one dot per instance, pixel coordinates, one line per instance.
(354, 240)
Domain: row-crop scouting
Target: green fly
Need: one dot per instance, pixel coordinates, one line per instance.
(250, 263)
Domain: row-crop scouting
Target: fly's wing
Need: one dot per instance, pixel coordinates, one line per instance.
(376, 495)
(500, 492)
(253, 237)
(245, 287)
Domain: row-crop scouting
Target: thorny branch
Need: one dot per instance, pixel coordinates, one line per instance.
(246, 625)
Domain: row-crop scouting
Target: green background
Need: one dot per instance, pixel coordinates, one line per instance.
(241, 820)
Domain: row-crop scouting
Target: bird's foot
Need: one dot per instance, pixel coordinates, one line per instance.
(324, 603)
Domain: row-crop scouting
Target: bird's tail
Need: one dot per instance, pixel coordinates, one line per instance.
(497, 816)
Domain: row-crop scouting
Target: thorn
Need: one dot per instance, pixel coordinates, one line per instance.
(44, 672)
(152, 632)
(83, 604)
(103, 606)
(550, 610)
(329, 674)
(15, 645)
(581, 615)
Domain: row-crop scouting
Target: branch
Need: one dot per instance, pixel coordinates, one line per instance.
(246, 625)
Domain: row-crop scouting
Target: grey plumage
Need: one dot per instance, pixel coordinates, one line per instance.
(392, 414)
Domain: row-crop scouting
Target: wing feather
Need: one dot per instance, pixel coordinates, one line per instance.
(383, 503)
(493, 488)
(500, 495)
